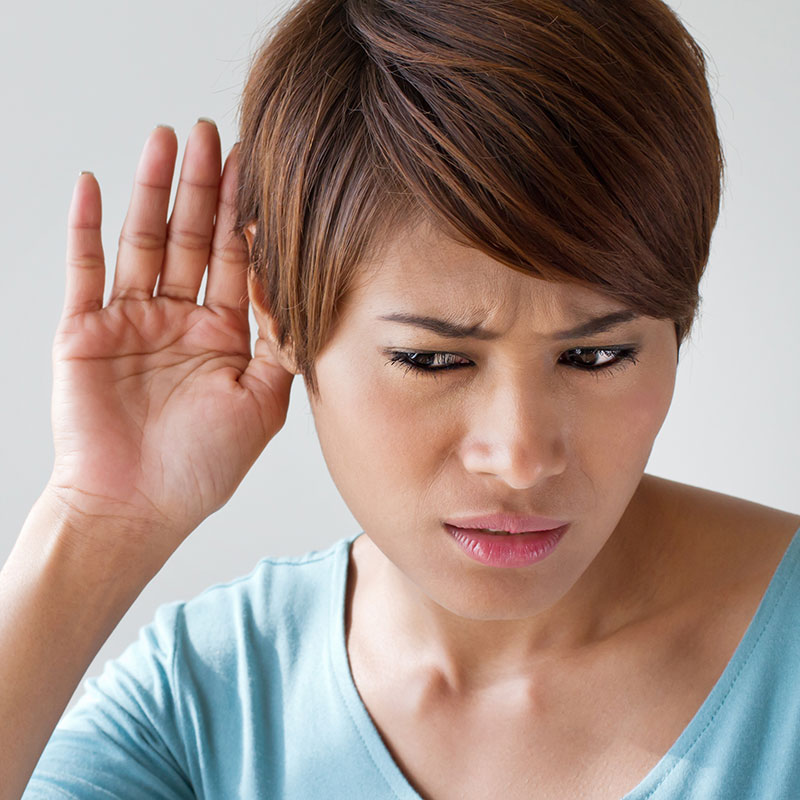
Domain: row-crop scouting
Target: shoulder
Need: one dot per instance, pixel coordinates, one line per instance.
(737, 540)
(711, 510)
(271, 580)
(206, 676)
(275, 588)
(205, 652)
(279, 610)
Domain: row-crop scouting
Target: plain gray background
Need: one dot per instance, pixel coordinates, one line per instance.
(85, 81)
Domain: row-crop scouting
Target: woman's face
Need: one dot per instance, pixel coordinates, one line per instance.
(517, 424)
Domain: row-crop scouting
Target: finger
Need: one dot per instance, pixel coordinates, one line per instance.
(191, 225)
(86, 271)
(227, 265)
(144, 232)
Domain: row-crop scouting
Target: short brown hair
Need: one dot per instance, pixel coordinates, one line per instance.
(574, 140)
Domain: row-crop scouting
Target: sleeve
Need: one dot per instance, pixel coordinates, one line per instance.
(123, 738)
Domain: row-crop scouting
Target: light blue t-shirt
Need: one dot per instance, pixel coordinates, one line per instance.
(246, 692)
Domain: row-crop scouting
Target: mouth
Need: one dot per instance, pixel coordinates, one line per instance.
(499, 548)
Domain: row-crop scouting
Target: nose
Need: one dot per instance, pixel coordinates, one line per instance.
(516, 434)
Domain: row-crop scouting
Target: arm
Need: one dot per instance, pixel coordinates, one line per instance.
(60, 601)
(159, 409)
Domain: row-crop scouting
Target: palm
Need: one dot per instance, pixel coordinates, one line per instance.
(159, 409)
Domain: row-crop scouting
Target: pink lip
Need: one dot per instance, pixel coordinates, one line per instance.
(506, 550)
(503, 521)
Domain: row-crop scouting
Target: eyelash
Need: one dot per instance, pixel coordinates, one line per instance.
(624, 357)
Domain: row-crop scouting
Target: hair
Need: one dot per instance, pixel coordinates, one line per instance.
(574, 140)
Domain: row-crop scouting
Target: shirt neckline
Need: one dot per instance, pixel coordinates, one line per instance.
(689, 737)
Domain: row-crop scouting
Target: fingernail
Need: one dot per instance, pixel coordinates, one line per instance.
(207, 119)
(166, 126)
(85, 172)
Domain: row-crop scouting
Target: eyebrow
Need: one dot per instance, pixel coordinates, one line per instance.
(452, 330)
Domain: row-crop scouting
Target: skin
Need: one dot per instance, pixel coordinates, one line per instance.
(515, 429)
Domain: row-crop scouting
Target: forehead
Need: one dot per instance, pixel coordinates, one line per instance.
(424, 268)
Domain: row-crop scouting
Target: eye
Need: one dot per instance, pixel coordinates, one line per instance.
(428, 362)
(600, 359)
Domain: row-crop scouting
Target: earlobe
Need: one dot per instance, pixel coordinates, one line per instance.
(258, 298)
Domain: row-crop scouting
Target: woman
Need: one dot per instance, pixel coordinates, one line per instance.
(477, 231)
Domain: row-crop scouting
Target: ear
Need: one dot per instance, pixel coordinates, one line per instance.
(249, 234)
(267, 326)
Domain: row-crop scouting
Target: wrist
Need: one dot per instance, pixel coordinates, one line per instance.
(115, 553)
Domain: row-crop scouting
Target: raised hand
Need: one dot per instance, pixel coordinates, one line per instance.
(159, 408)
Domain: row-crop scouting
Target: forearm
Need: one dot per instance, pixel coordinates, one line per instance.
(60, 597)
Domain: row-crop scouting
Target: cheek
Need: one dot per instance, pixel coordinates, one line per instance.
(377, 441)
(631, 422)
(405, 433)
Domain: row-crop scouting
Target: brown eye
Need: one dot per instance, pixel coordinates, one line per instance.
(428, 362)
(595, 359)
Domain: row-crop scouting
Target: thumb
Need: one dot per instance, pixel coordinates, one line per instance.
(268, 380)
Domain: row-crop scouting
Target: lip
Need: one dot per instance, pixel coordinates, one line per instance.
(506, 550)
(506, 521)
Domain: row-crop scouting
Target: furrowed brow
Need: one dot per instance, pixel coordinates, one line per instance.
(598, 324)
(442, 327)
(452, 330)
